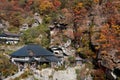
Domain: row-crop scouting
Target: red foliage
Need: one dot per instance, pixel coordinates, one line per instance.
(2, 1)
(56, 3)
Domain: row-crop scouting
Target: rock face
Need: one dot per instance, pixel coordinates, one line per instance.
(38, 20)
(44, 74)
(51, 74)
(112, 60)
(24, 27)
(68, 74)
(4, 25)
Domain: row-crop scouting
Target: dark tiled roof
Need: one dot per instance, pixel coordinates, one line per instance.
(52, 59)
(6, 34)
(36, 50)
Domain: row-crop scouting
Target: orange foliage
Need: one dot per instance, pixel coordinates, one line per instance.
(79, 13)
(109, 37)
(96, 1)
(98, 74)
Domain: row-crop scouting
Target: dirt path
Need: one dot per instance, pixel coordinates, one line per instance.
(14, 76)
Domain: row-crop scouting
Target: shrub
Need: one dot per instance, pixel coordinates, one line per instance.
(71, 59)
(60, 68)
(7, 68)
(30, 35)
(78, 74)
(44, 65)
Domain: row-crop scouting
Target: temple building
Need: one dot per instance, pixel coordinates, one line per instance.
(33, 53)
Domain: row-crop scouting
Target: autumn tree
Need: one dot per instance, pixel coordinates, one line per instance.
(45, 5)
(79, 12)
(109, 38)
(56, 3)
(35, 6)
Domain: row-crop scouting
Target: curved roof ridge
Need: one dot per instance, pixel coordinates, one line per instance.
(35, 48)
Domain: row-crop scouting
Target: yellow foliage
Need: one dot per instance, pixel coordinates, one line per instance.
(116, 28)
(80, 5)
(102, 37)
(79, 49)
(97, 47)
(45, 5)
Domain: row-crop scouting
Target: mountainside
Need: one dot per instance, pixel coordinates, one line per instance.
(89, 29)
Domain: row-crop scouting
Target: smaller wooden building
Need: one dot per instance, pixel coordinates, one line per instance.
(9, 38)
